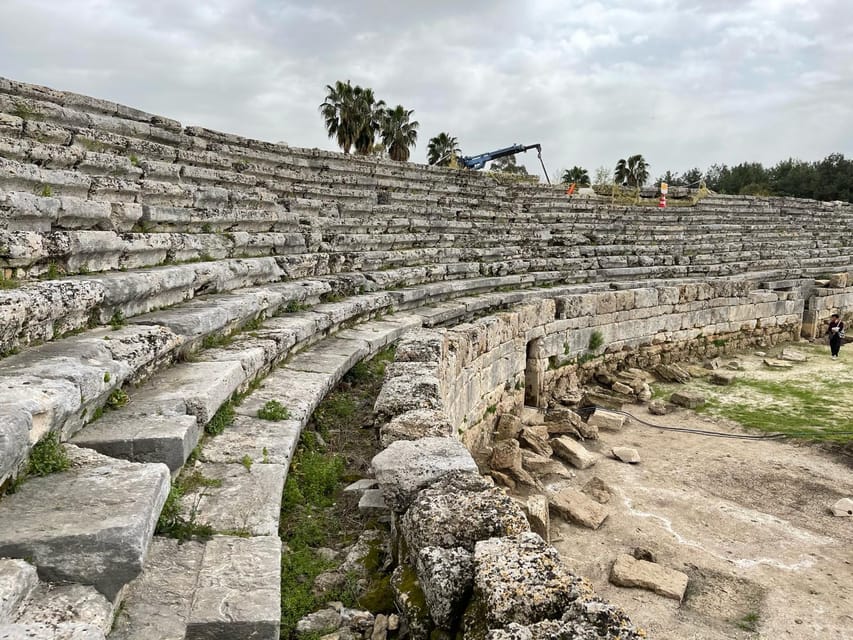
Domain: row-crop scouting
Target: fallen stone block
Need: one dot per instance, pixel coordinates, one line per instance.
(672, 373)
(688, 399)
(90, 525)
(372, 504)
(843, 508)
(536, 437)
(723, 378)
(630, 572)
(238, 594)
(576, 507)
(407, 466)
(536, 510)
(777, 364)
(838, 280)
(792, 355)
(508, 428)
(543, 466)
(622, 388)
(626, 454)
(606, 420)
(360, 486)
(573, 452)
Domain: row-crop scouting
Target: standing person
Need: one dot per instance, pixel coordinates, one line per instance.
(836, 334)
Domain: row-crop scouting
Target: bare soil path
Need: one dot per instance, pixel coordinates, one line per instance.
(748, 521)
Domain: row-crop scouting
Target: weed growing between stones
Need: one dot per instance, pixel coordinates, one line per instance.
(336, 447)
(748, 623)
(118, 398)
(117, 320)
(273, 411)
(47, 456)
(294, 307)
(214, 341)
(221, 419)
(172, 522)
(8, 283)
(247, 462)
(596, 339)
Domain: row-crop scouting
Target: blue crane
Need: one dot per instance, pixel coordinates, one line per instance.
(479, 161)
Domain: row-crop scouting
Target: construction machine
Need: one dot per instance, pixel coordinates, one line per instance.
(479, 161)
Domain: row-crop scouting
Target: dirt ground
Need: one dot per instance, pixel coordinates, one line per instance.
(747, 521)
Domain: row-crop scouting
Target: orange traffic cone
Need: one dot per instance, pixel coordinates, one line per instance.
(662, 203)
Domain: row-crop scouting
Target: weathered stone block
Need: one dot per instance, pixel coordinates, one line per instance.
(405, 467)
(606, 420)
(576, 507)
(688, 399)
(446, 577)
(630, 572)
(573, 452)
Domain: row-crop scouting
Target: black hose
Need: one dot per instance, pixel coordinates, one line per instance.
(714, 434)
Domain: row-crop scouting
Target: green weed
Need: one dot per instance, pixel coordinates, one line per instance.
(47, 457)
(221, 420)
(118, 398)
(274, 411)
(247, 462)
(117, 320)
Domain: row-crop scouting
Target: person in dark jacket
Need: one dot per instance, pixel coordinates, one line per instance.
(836, 334)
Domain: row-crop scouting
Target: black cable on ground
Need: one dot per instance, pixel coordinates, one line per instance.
(714, 434)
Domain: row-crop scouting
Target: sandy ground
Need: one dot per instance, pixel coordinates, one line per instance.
(747, 521)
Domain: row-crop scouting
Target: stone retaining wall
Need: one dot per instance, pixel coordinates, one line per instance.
(458, 377)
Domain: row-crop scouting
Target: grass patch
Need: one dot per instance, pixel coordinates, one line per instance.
(172, 523)
(117, 320)
(47, 457)
(8, 283)
(216, 340)
(795, 408)
(118, 398)
(294, 307)
(313, 512)
(748, 623)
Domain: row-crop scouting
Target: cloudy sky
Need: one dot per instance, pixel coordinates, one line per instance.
(684, 82)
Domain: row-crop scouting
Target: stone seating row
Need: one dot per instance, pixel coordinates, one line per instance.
(198, 388)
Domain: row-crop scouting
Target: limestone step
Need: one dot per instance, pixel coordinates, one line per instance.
(63, 631)
(228, 587)
(261, 440)
(240, 499)
(66, 604)
(90, 525)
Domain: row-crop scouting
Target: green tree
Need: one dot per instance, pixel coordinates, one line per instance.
(508, 164)
(602, 176)
(399, 132)
(670, 178)
(634, 171)
(352, 116)
(834, 178)
(441, 149)
(691, 178)
(576, 174)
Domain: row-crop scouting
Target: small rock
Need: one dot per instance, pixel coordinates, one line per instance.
(357, 620)
(319, 623)
(327, 582)
(688, 399)
(630, 572)
(393, 622)
(645, 393)
(503, 479)
(843, 508)
(734, 365)
(506, 456)
(606, 420)
(626, 454)
(573, 452)
(598, 490)
(641, 553)
(561, 420)
(712, 364)
(723, 378)
(380, 627)
(326, 554)
(576, 507)
(760, 354)
(372, 504)
(658, 408)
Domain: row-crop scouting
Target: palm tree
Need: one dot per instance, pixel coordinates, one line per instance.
(441, 149)
(634, 171)
(576, 174)
(337, 114)
(367, 113)
(399, 132)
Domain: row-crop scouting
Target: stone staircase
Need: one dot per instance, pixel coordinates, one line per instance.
(154, 278)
